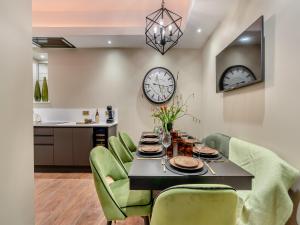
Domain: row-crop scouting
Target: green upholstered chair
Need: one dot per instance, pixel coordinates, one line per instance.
(218, 141)
(268, 202)
(120, 153)
(117, 200)
(127, 141)
(196, 205)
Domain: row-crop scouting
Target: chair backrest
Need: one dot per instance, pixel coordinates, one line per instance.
(196, 204)
(103, 164)
(219, 142)
(119, 151)
(273, 178)
(127, 141)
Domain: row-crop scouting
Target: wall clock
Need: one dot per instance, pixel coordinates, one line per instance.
(236, 76)
(159, 85)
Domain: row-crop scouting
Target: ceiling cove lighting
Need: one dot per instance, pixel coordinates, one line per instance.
(163, 29)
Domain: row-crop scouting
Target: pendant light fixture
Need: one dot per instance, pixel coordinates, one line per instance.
(163, 29)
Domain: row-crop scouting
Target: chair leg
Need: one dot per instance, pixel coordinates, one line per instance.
(109, 222)
(146, 220)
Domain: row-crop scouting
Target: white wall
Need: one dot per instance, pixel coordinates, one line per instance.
(91, 78)
(16, 136)
(266, 114)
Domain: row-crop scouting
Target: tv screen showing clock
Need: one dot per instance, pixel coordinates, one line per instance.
(242, 62)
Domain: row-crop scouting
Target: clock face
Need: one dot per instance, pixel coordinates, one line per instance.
(159, 85)
(236, 76)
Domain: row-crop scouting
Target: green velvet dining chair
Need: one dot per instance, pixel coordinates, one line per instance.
(121, 154)
(196, 204)
(218, 141)
(127, 141)
(112, 185)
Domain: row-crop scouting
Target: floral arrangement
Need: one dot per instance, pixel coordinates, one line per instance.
(168, 114)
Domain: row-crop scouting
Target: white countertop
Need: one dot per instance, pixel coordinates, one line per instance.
(72, 124)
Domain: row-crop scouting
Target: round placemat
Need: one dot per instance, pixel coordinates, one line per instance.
(141, 155)
(219, 156)
(150, 135)
(149, 141)
(185, 173)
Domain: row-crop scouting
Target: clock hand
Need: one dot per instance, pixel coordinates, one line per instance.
(160, 85)
(160, 90)
(154, 90)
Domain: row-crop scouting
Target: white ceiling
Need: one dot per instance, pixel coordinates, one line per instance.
(91, 23)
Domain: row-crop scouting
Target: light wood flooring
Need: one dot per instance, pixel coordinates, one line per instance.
(69, 199)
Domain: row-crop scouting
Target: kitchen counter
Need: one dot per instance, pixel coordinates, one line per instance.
(73, 124)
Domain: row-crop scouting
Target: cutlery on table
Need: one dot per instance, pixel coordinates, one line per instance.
(215, 161)
(163, 163)
(211, 170)
(148, 158)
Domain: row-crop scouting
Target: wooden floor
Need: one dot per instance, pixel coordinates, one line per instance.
(69, 199)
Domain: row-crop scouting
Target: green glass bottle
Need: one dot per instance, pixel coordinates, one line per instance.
(37, 91)
(45, 91)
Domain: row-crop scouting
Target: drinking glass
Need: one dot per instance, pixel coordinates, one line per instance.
(156, 130)
(160, 133)
(166, 139)
(166, 142)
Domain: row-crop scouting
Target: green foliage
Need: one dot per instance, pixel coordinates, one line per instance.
(177, 109)
(37, 91)
(45, 90)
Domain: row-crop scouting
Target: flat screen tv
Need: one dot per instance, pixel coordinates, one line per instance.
(242, 62)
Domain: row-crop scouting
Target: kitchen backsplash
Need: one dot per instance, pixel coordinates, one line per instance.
(68, 115)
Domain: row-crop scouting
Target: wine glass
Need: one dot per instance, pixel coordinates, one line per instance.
(166, 140)
(160, 133)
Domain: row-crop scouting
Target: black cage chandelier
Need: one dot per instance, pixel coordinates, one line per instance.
(163, 29)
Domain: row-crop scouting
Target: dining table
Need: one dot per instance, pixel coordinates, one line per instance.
(151, 174)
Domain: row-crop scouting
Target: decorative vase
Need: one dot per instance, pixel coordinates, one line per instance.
(37, 91)
(169, 127)
(45, 91)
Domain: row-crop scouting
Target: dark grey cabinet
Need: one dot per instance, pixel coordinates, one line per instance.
(63, 146)
(43, 146)
(68, 146)
(82, 145)
(43, 155)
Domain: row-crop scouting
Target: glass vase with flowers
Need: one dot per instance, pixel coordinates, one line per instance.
(168, 114)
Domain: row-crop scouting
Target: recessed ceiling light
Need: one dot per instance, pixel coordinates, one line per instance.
(199, 30)
(42, 56)
(245, 39)
(109, 42)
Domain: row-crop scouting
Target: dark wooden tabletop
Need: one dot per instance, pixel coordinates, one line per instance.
(148, 174)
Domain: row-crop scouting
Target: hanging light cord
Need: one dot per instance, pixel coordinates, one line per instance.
(163, 4)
